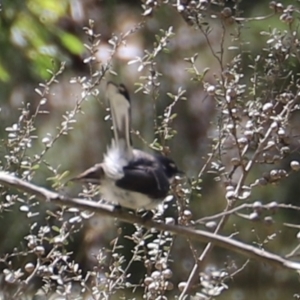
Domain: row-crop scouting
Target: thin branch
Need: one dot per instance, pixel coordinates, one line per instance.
(267, 206)
(231, 204)
(109, 210)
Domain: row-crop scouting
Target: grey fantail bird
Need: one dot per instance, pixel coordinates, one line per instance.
(129, 177)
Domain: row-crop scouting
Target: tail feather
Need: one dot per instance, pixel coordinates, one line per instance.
(119, 101)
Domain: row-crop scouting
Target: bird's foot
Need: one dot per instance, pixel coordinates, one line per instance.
(146, 215)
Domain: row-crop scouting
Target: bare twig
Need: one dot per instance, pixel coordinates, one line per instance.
(267, 206)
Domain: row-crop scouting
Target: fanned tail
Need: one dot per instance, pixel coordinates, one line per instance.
(119, 101)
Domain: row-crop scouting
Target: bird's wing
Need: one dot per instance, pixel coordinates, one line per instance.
(146, 180)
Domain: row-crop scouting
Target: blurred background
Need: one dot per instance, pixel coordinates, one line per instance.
(37, 35)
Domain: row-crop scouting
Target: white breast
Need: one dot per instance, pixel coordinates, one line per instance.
(133, 200)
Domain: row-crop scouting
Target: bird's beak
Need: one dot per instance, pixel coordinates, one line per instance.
(91, 175)
(179, 172)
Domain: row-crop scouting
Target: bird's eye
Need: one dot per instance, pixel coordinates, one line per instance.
(172, 165)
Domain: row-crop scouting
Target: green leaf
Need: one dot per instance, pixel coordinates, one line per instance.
(4, 76)
(71, 42)
(55, 228)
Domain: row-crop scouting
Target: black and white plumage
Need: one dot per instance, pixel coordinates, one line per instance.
(129, 177)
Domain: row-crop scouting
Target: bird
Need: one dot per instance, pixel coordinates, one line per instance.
(129, 177)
